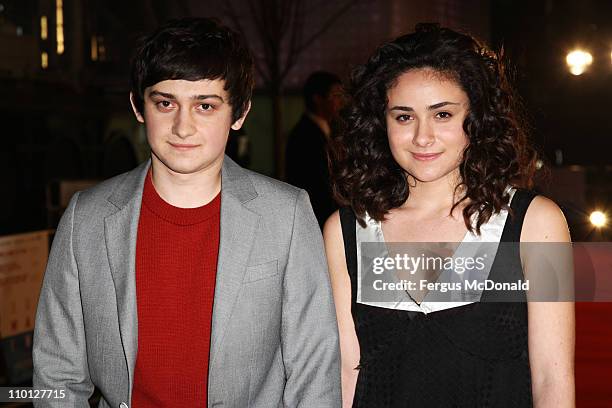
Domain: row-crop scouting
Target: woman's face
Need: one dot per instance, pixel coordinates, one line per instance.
(425, 125)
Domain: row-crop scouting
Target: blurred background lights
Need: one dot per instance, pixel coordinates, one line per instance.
(598, 219)
(578, 61)
(59, 26)
(539, 164)
(44, 31)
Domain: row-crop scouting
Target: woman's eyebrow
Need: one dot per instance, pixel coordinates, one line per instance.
(441, 104)
(431, 107)
(402, 108)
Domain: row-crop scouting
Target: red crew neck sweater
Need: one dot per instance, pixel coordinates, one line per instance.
(176, 263)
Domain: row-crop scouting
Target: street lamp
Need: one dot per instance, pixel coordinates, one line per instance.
(578, 61)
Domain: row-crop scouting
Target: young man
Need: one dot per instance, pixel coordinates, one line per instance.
(189, 281)
(306, 160)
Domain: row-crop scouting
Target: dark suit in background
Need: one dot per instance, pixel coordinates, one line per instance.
(306, 165)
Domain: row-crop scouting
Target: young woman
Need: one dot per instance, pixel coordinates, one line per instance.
(433, 150)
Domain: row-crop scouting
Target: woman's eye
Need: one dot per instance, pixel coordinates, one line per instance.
(403, 118)
(444, 115)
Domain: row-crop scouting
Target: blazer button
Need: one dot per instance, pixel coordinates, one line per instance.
(123, 405)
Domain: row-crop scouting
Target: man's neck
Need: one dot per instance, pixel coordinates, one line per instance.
(321, 122)
(186, 190)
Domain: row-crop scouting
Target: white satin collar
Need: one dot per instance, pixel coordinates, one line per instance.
(491, 231)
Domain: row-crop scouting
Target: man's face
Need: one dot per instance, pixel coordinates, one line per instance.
(329, 106)
(187, 124)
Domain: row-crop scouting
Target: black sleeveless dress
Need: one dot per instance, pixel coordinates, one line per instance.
(474, 355)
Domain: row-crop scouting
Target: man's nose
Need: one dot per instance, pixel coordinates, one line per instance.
(184, 125)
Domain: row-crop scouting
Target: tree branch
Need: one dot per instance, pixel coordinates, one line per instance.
(233, 15)
(297, 28)
(325, 26)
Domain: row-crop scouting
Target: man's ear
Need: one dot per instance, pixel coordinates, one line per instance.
(137, 113)
(238, 124)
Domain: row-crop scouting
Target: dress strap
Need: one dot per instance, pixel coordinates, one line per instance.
(348, 223)
(516, 215)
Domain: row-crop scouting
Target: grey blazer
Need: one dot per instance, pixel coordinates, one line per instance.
(274, 340)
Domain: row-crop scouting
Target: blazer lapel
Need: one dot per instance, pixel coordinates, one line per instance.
(237, 231)
(120, 231)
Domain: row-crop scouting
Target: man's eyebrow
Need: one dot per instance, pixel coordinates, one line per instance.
(201, 97)
(195, 97)
(431, 107)
(162, 94)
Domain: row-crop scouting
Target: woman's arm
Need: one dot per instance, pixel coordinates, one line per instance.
(551, 324)
(341, 287)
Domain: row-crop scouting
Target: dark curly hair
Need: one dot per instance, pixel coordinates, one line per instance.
(192, 49)
(364, 174)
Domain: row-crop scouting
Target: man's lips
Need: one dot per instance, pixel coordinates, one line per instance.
(183, 146)
(426, 156)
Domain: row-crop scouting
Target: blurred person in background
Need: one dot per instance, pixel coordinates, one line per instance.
(306, 159)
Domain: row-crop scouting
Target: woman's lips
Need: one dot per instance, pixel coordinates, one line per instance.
(426, 156)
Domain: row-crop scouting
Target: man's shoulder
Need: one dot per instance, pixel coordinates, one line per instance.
(305, 128)
(104, 188)
(102, 193)
(269, 188)
(280, 205)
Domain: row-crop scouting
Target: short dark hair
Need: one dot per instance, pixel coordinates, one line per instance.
(193, 49)
(367, 178)
(318, 83)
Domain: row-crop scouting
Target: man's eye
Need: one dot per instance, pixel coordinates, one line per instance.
(206, 106)
(164, 104)
(444, 115)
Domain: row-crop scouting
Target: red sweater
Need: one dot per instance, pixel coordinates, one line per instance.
(176, 264)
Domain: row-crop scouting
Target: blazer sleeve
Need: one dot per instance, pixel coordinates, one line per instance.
(310, 345)
(59, 352)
